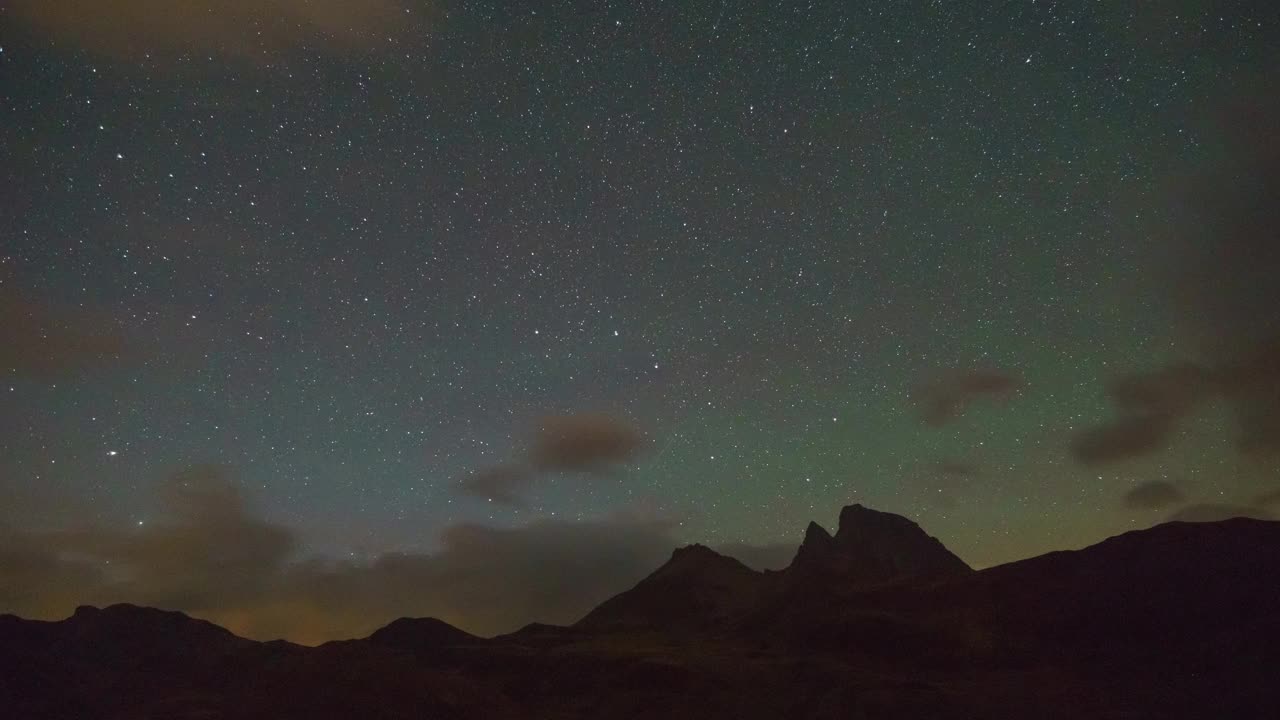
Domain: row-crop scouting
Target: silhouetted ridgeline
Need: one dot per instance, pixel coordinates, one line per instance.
(878, 620)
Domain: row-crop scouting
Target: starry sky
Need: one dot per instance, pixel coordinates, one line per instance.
(409, 279)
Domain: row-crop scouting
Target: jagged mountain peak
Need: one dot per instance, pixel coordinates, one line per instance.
(857, 517)
(816, 544)
(875, 546)
(815, 533)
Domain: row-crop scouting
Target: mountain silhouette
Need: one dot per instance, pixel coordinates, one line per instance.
(697, 588)
(878, 620)
(872, 547)
(422, 633)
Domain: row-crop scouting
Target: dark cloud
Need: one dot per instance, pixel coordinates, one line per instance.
(208, 555)
(589, 444)
(1252, 387)
(244, 28)
(501, 484)
(205, 552)
(48, 342)
(1223, 252)
(583, 443)
(1122, 438)
(1169, 392)
(776, 556)
(947, 396)
(1152, 495)
(1151, 403)
(1227, 250)
(1149, 406)
(1212, 512)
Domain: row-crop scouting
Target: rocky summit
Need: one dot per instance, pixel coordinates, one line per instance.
(873, 547)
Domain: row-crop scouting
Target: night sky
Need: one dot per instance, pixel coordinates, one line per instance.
(298, 295)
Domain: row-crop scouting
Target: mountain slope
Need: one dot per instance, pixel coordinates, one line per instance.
(697, 589)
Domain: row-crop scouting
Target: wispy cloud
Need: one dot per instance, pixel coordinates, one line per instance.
(590, 445)
(946, 396)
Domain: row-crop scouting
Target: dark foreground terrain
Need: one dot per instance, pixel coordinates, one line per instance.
(878, 621)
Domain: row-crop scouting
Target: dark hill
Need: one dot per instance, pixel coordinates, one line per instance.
(422, 633)
(697, 589)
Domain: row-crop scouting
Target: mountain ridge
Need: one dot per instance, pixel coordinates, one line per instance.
(872, 546)
(1173, 621)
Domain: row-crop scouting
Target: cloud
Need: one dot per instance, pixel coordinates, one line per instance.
(946, 397)
(205, 552)
(589, 444)
(1219, 254)
(583, 443)
(137, 28)
(1152, 495)
(49, 343)
(1212, 512)
(1151, 403)
(1252, 386)
(1166, 392)
(1121, 439)
(209, 556)
(1226, 255)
